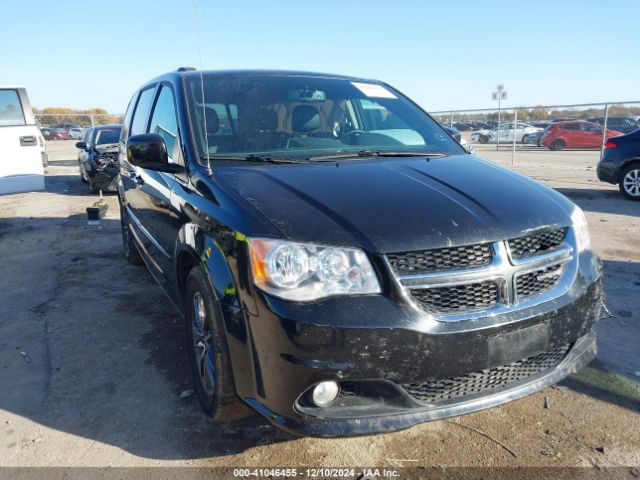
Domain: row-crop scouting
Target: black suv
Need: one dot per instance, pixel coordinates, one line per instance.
(343, 265)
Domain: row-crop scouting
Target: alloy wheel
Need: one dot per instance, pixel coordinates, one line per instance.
(631, 182)
(203, 351)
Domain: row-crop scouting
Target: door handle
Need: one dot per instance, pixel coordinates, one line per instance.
(28, 141)
(139, 180)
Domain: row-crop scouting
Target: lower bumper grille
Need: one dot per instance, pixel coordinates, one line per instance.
(458, 298)
(484, 382)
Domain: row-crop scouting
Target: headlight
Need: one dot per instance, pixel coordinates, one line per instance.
(304, 272)
(581, 229)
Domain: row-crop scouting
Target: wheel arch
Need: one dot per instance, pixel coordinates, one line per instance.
(626, 164)
(196, 247)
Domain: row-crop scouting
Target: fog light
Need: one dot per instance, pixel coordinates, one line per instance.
(324, 393)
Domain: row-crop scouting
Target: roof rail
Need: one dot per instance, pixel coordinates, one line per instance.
(186, 69)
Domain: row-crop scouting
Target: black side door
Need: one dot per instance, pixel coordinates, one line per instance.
(155, 225)
(132, 196)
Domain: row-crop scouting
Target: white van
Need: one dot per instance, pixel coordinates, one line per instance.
(22, 147)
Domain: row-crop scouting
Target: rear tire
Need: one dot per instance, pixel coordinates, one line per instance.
(557, 145)
(208, 352)
(630, 182)
(131, 253)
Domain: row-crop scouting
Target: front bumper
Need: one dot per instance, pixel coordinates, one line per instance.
(104, 179)
(607, 171)
(286, 348)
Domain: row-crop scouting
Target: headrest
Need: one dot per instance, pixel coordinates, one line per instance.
(305, 118)
(213, 121)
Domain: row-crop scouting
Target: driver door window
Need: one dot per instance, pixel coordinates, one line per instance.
(164, 123)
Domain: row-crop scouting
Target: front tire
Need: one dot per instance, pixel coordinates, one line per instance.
(557, 145)
(630, 182)
(129, 248)
(207, 348)
(83, 176)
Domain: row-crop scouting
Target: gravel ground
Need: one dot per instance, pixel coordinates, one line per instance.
(92, 364)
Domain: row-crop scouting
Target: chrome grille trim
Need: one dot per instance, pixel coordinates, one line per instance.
(504, 270)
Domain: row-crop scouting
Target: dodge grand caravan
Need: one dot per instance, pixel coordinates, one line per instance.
(343, 265)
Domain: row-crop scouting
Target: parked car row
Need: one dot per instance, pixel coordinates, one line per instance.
(615, 122)
(63, 131)
(573, 134)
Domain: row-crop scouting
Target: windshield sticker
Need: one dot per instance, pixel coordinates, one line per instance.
(373, 90)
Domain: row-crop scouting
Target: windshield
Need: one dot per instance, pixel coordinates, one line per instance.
(299, 117)
(110, 136)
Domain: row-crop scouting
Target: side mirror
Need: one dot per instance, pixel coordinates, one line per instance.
(469, 147)
(148, 150)
(81, 145)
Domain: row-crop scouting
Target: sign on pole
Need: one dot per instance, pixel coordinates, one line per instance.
(499, 94)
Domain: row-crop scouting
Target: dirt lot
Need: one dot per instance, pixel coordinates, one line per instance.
(92, 363)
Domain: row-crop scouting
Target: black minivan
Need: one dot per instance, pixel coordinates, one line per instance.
(343, 265)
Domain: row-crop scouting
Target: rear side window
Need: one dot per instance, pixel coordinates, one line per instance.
(591, 128)
(141, 114)
(164, 122)
(127, 116)
(11, 114)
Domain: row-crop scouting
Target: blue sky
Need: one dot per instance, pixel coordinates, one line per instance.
(443, 54)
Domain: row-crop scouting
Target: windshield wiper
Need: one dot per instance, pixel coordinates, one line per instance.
(250, 158)
(375, 153)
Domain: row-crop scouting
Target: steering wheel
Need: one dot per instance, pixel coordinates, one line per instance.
(351, 132)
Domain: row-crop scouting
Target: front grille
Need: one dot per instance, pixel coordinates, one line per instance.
(107, 157)
(450, 258)
(458, 298)
(537, 243)
(485, 381)
(428, 275)
(536, 282)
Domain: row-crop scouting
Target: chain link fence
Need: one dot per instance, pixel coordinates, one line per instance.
(550, 128)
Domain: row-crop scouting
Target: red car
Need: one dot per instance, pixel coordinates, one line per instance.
(575, 134)
(58, 134)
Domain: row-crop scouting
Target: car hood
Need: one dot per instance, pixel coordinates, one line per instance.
(397, 204)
